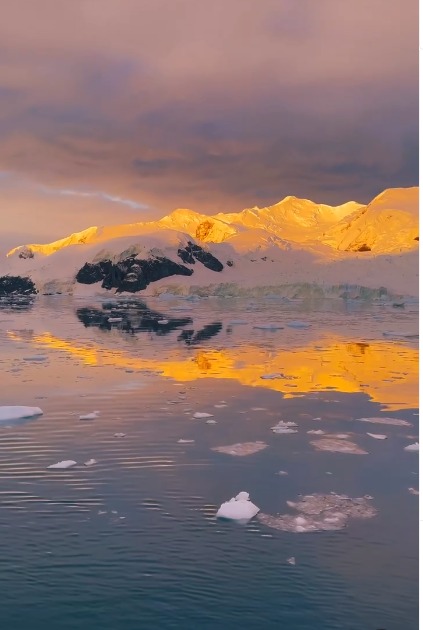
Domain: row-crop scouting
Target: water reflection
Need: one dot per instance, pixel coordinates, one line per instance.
(138, 318)
(387, 372)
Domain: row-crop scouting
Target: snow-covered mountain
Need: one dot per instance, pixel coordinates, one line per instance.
(293, 242)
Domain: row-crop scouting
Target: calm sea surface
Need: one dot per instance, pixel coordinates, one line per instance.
(132, 542)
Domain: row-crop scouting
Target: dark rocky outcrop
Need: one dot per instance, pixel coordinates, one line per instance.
(416, 238)
(130, 274)
(26, 252)
(17, 285)
(192, 251)
(364, 248)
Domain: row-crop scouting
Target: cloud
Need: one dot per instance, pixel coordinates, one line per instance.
(215, 105)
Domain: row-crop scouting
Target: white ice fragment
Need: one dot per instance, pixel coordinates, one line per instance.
(182, 441)
(258, 409)
(316, 432)
(211, 422)
(284, 427)
(162, 321)
(201, 414)
(90, 462)
(113, 320)
(18, 412)
(378, 436)
(220, 406)
(90, 416)
(291, 560)
(268, 326)
(413, 491)
(282, 472)
(239, 508)
(412, 448)
(119, 435)
(66, 463)
(298, 324)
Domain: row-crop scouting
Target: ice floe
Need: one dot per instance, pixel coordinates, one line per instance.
(392, 421)
(291, 560)
(241, 449)
(412, 448)
(239, 508)
(316, 432)
(298, 324)
(413, 491)
(338, 446)
(320, 512)
(66, 463)
(198, 415)
(282, 473)
(285, 427)
(162, 321)
(211, 422)
(90, 462)
(119, 435)
(18, 412)
(378, 436)
(90, 416)
(182, 441)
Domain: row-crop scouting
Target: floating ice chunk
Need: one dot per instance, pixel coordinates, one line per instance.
(18, 412)
(258, 409)
(291, 560)
(392, 421)
(66, 463)
(182, 441)
(220, 406)
(268, 326)
(412, 448)
(114, 320)
(162, 321)
(338, 446)
(35, 357)
(90, 416)
(282, 472)
(378, 436)
(285, 427)
(316, 432)
(413, 491)
(298, 324)
(198, 415)
(239, 508)
(211, 422)
(119, 435)
(320, 512)
(90, 462)
(241, 449)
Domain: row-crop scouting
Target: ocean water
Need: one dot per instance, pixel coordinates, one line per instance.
(132, 542)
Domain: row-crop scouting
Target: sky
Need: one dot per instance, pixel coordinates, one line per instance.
(116, 111)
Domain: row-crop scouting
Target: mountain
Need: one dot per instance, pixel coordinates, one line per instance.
(295, 241)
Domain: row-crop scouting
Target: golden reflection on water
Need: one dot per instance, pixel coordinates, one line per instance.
(386, 371)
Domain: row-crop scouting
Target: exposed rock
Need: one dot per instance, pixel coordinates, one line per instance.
(17, 285)
(26, 252)
(130, 274)
(192, 251)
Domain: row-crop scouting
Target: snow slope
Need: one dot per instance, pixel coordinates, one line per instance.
(295, 243)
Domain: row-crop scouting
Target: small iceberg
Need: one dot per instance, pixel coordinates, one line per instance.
(163, 321)
(18, 413)
(90, 462)
(239, 508)
(198, 415)
(66, 463)
(119, 435)
(378, 436)
(397, 422)
(241, 449)
(182, 441)
(90, 416)
(412, 448)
